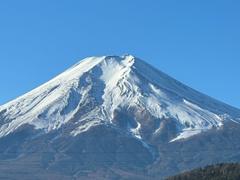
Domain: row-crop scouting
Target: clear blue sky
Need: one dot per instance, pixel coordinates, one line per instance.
(195, 41)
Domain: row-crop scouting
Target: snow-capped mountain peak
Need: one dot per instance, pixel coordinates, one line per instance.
(97, 89)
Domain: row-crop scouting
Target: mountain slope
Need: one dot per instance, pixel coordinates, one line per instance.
(119, 113)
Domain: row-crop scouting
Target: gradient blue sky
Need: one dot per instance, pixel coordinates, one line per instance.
(197, 42)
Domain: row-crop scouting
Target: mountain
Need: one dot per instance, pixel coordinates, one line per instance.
(216, 172)
(114, 117)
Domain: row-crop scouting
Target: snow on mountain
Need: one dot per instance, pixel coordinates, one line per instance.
(95, 88)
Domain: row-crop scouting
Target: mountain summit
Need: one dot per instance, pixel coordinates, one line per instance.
(111, 96)
(97, 88)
